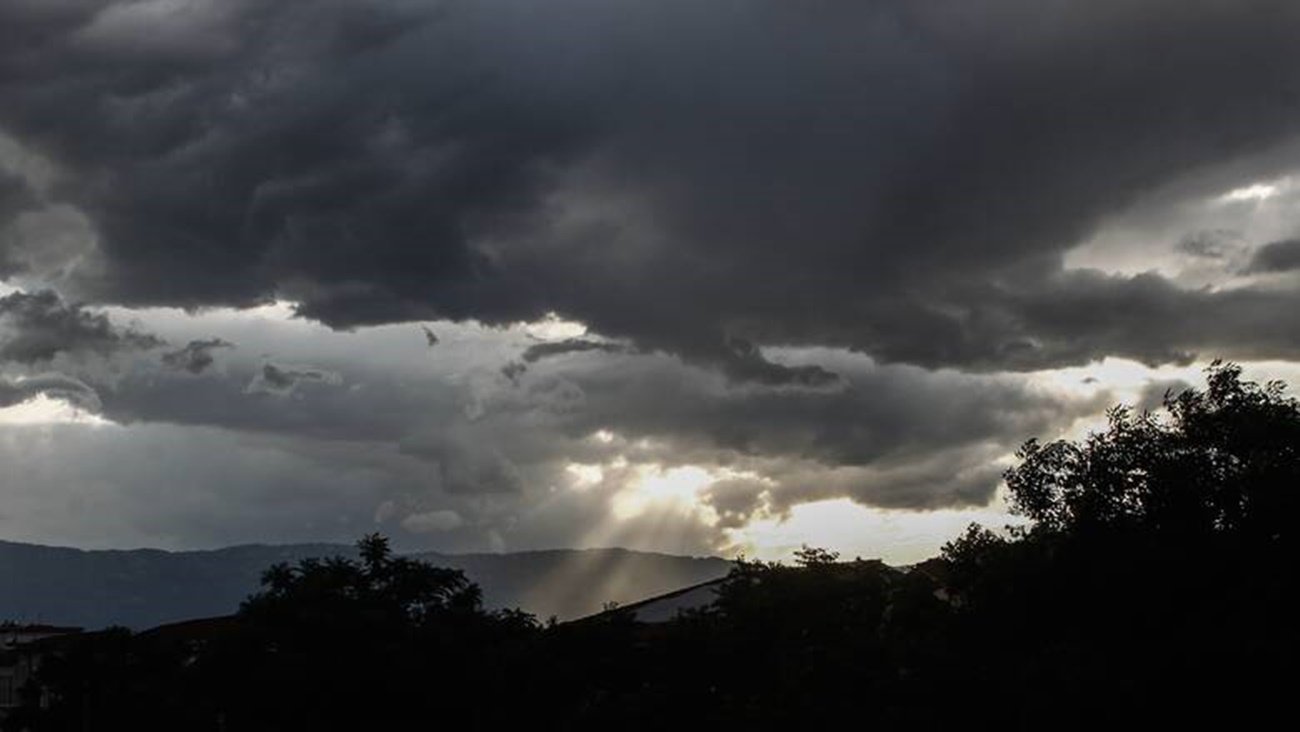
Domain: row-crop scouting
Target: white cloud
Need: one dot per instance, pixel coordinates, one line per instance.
(1256, 191)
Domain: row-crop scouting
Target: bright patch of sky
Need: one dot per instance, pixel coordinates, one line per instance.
(854, 530)
(1200, 238)
(45, 410)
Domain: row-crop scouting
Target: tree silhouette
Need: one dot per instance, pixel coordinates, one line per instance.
(1154, 581)
(1221, 461)
(380, 637)
(380, 588)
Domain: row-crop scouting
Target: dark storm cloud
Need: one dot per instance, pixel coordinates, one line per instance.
(15, 198)
(744, 362)
(233, 398)
(196, 356)
(739, 359)
(958, 478)
(890, 176)
(1278, 256)
(1070, 317)
(152, 485)
(36, 327)
(229, 154)
(880, 413)
(726, 194)
(551, 349)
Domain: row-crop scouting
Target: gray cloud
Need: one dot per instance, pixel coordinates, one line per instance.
(281, 379)
(880, 414)
(1072, 317)
(433, 521)
(399, 435)
(515, 441)
(848, 174)
(1278, 256)
(196, 356)
(513, 370)
(160, 485)
(552, 349)
(36, 327)
(549, 349)
(876, 415)
(1152, 397)
(1210, 244)
(737, 358)
(736, 501)
(743, 361)
(15, 198)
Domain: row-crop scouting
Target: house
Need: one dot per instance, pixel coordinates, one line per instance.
(666, 607)
(21, 647)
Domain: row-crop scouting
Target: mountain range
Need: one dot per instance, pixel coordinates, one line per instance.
(141, 588)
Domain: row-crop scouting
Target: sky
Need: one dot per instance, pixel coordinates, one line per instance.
(692, 277)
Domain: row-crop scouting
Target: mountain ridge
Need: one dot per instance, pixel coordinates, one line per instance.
(144, 587)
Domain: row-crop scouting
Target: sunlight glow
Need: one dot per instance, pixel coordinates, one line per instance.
(1124, 379)
(44, 410)
(1112, 381)
(1256, 191)
(854, 530)
(280, 312)
(585, 475)
(682, 483)
(656, 487)
(554, 328)
(1121, 381)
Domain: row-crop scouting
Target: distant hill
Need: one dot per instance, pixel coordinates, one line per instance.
(145, 587)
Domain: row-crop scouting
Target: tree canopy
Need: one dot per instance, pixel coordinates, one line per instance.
(1220, 461)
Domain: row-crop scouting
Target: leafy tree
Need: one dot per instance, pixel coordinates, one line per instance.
(1222, 461)
(378, 588)
(1158, 567)
(380, 637)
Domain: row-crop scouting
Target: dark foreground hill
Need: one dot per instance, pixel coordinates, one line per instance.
(146, 587)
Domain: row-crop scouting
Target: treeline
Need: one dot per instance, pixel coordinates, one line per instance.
(1152, 585)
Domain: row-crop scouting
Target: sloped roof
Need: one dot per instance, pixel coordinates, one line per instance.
(662, 608)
